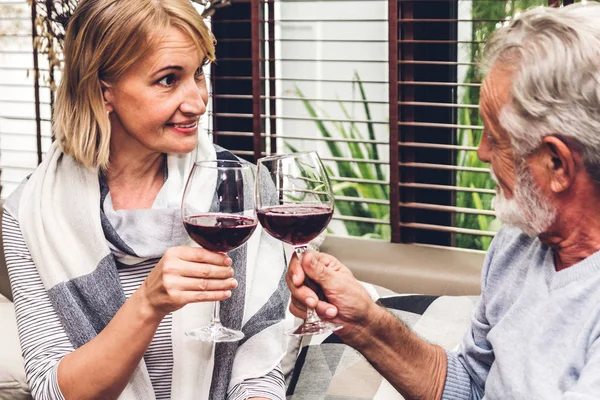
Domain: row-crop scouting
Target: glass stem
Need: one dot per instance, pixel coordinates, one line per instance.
(311, 313)
(216, 318)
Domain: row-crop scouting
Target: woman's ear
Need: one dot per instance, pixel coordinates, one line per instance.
(107, 95)
(560, 162)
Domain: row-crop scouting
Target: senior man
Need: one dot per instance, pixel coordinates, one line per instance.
(536, 331)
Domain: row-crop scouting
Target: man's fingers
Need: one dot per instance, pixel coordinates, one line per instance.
(316, 265)
(290, 280)
(297, 311)
(326, 310)
(298, 305)
(305, 295)
(295, 272)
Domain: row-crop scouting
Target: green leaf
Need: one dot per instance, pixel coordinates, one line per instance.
(354, 170)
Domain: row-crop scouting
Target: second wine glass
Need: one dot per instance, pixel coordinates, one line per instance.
(298, 212)
(227, 225)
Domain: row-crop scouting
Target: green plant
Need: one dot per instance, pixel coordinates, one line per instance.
(487, 14)
(358, 150)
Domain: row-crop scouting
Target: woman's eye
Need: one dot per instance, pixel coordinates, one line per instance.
(167, 80)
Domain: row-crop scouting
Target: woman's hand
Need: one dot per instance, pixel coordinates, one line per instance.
(187, 275)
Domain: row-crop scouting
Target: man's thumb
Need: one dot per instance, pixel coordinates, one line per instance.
(314, 267)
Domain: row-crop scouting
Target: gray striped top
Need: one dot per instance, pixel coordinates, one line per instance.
(44, 342)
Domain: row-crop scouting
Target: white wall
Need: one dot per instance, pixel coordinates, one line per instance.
(371, 62)
(18, 155)
(362, 40)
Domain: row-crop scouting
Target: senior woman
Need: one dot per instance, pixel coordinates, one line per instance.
(95, 248)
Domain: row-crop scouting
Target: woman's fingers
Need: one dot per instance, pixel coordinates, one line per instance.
(182, 290)
(204, 270)
(195, 297)
(198, 255)
(203, 285)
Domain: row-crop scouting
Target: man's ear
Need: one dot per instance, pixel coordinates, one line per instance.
(107, 95)
(560, 163)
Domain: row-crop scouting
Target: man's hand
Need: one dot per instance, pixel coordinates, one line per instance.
(414, 367)
(347, 302)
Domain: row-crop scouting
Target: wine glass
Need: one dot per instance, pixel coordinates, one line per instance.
(298, 212)
(218, 213)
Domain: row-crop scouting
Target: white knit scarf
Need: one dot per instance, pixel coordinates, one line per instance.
(76, 240)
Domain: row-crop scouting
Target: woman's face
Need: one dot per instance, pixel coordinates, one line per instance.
(155, 106)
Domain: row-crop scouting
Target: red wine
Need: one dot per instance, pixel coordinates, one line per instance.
(296, 225)
(219, 232)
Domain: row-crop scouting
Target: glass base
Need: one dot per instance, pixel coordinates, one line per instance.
(314, 328)
(215, 333)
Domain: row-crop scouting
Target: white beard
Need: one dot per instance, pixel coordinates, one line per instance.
(527, 210)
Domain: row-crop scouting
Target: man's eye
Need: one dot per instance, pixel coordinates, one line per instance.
(199, 72)
(167, 80)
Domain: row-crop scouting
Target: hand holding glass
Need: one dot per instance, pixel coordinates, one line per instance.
(298, 213)
(227, 226)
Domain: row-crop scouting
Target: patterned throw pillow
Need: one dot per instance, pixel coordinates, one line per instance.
(328, 369)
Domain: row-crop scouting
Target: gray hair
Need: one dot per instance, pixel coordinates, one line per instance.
(555, 53)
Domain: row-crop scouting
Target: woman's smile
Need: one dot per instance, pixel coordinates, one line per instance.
(185, 128)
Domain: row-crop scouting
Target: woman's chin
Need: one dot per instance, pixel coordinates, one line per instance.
(184, 147)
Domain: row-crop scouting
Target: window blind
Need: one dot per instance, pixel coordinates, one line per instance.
(302, 75)
(430, 189)
(387, 91)
(444, 192)
(24, 100)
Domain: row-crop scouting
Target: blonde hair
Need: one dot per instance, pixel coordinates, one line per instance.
(104, 39)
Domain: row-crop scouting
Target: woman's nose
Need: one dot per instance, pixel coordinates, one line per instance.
(194, 99)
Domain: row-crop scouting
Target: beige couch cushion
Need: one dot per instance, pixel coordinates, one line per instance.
(407, 268)
(13, 385)
(326, 368)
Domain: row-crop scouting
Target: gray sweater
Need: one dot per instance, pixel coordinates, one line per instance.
(535, 333)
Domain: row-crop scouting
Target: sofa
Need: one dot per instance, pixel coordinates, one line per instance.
(13, 385)
(446, 284)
